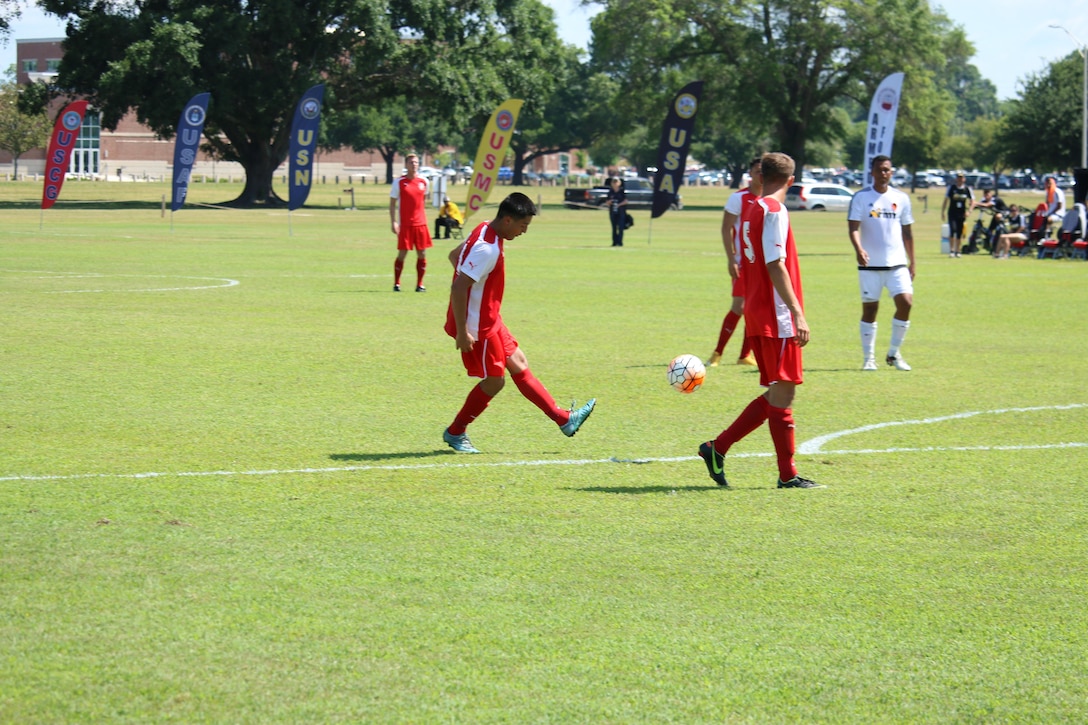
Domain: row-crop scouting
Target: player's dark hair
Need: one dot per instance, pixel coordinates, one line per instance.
(755, 162)
(878, 160)
(518, 206)
(776, 167)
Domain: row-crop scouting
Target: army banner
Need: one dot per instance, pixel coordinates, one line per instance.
(672, 153)
(65, 135)
(186, 145)
(493, 147)
(882, 114)
(304, 130)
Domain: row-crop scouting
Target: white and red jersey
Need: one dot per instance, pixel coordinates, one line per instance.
(482, 261)
(412, 195)
(766, 237)
(735, 205)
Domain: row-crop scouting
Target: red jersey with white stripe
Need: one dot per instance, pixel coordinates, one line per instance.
(482, 261)
(766, 237)
(412, 195)
(735, 205)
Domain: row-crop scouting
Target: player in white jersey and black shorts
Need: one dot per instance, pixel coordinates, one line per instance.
(880, 222)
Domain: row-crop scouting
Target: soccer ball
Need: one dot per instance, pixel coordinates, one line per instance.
(686, 373)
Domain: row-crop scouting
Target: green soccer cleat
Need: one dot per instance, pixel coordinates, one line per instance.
(460, 443)
(577, 417)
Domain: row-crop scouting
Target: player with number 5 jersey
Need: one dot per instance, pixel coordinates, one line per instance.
(774, 322)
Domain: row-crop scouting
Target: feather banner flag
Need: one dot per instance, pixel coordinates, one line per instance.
(672, 153)
(882, 114)
(65, 135)
(187, 143)
(493, 147)
(304, 130)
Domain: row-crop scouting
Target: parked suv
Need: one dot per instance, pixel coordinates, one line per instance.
(818, 197)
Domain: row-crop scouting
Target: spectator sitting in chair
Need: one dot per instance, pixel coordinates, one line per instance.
(449, 216)
(1013, 229)
(1055, 203)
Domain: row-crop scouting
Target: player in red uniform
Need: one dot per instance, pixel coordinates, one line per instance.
(730, 235)
(474, 320)
(774, 322)
(411, 227)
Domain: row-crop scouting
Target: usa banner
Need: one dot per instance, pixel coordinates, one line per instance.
(65, 134)
(672, 153)
(190, 128)
(882, 114)
(304, 129)
(493, 147)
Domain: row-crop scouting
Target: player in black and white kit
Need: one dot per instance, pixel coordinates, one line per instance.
(880, 222)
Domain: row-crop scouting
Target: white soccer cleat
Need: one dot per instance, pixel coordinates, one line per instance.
(897, 362)
(869, 364)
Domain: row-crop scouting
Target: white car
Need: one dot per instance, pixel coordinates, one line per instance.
(818, 197)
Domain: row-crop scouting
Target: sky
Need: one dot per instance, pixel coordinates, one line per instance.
(1011, 37)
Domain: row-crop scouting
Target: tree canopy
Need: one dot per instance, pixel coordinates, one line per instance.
(257, 57)
(789, 63)
(20, 132)
(1042, 129)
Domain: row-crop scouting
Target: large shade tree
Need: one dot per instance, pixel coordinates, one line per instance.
(792, 60)
(1043, 127)
(256, 57)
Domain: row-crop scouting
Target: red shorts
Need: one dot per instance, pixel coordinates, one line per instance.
(418, 238)
(778, 358)
(487, 359)
(738, 286)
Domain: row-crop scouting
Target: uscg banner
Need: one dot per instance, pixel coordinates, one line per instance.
(882, 113)
(303, 145)
(65, 133)
(493, 146)
(672, 154)
(190, 128)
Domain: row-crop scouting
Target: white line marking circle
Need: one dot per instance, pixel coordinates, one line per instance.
(811, 447)
(221, 282)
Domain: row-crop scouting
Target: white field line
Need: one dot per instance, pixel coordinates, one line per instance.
(812, 450)
(224, 282)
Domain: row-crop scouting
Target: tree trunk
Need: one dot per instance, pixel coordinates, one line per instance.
(260, 166)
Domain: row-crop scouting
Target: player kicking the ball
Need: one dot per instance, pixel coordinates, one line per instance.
(774, 321)
(473, 319)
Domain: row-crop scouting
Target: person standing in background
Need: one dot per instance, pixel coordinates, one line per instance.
(617, 209)
(410, 225)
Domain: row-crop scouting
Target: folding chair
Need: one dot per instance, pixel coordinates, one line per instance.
(1036, 232)
(1072, 229)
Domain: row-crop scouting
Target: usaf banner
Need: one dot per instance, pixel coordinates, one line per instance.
(65, 134)
(190, 128)
(303, 145)
(493, 146)
(672, 154)
(882, 113)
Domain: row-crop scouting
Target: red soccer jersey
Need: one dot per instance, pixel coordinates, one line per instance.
(412, 195)
(766, 236)
(482, 261)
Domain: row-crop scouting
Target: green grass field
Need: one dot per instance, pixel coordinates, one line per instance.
(224, 496)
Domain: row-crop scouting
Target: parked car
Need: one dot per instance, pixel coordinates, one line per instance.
(640, 195)
(977, 180)
(818, 197)
(505, 173)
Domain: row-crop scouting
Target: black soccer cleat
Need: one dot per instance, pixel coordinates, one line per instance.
(715, 463)
(798, 482)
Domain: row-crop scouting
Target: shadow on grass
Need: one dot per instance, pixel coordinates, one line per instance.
(644, 489)
(388, 456)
